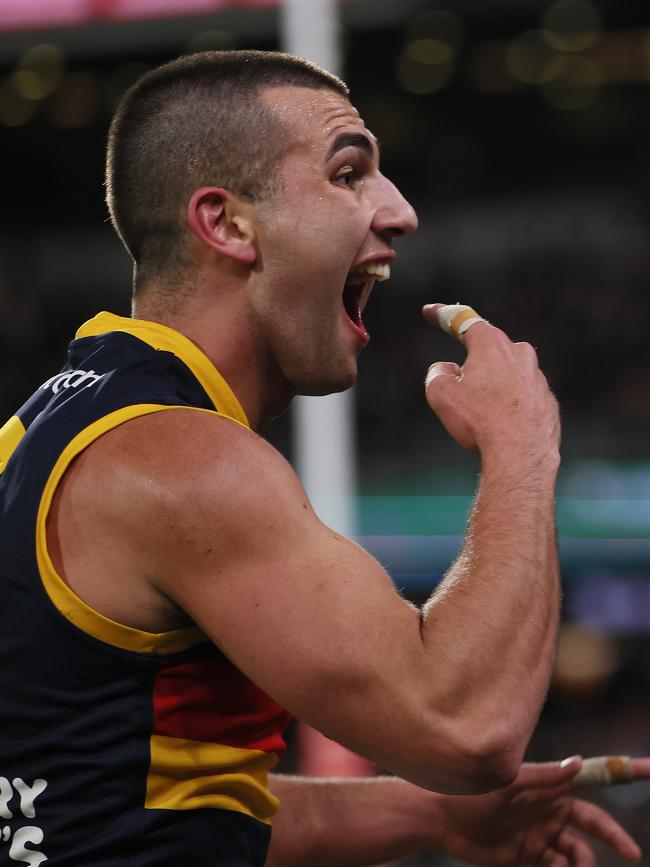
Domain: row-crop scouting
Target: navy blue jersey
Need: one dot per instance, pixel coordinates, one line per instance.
(117, 746)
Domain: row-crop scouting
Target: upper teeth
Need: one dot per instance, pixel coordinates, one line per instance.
(380, 270)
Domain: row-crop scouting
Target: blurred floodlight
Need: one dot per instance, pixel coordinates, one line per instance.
(623, 55)
(421, 78)
(586, 658)
(572, 25)
(45, 58)
(39, 71)
(28, 84)
(119, 81)
(75, 102)
(437, 24)
(427, 62)
(15, 109)
(574, 85)
(430, 51)
(530, 58)
(210, 40)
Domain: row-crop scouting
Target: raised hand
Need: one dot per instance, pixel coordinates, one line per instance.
(498, 399)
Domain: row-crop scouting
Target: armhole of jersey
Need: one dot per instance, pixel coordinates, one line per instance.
(64, 599)
(10, 436)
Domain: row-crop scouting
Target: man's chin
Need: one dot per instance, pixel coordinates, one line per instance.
(318, 385)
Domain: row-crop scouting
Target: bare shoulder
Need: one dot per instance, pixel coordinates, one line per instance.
(159, 486)
(179, 468)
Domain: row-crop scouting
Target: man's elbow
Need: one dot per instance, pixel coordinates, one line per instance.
(486, 770)
(471, 765)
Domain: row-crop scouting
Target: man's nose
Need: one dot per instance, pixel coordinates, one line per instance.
(394, 216)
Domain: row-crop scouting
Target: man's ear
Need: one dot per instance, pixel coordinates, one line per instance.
(224, 222)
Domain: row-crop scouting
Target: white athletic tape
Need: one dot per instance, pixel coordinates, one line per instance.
(467, 324)
(603, 771)
(456, 319)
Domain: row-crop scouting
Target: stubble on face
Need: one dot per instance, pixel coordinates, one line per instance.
(311, 232)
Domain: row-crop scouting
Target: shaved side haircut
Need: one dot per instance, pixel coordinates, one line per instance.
(196, 121)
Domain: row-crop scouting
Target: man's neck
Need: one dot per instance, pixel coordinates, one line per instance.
(226, 337)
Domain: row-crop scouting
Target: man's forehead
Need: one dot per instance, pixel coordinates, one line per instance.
(313, 115)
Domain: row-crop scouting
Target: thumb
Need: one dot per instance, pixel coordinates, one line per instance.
(548, 774)
(440, 391)
(442, 368)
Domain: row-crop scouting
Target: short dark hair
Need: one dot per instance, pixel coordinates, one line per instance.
(196, 121)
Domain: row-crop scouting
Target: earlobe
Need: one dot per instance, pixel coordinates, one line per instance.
(246, 229)
(215, 216)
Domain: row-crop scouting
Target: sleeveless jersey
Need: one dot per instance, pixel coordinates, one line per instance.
(117, 746)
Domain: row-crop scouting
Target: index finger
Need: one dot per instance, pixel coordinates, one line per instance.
(611, 771)
(454, 319)
(639, 768)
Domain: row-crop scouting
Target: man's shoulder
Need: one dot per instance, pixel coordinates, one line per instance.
(177, 461)
(154, 497)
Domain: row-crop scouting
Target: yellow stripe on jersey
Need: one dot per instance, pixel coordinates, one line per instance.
(64, 598)
(10, 435)
(161, 337)
(189, 775)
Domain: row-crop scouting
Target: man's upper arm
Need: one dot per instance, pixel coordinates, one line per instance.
(308, 615)
(201, 514)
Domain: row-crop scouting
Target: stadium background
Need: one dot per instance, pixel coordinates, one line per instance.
(521, 132)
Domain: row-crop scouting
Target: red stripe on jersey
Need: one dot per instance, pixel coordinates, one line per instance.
(210, 700)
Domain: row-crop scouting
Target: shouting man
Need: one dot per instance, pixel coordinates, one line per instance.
(169, 597)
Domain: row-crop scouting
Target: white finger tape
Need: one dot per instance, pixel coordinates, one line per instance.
(456, 319)
(603, 771)
(466, 324)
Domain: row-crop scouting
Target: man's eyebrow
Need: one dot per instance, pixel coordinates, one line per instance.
(351, 139)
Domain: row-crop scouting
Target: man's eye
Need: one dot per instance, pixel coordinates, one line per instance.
(347, 177)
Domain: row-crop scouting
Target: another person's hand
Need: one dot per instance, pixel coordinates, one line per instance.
(537, 820)
(499, 399)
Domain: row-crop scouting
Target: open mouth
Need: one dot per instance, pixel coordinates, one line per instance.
(356, 292)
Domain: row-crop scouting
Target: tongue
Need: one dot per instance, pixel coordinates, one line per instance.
(351, 305)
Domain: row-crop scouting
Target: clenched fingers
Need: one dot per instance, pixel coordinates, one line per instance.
(443, 368)
(441, 388)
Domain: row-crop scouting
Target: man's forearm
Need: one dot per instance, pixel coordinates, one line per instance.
(493, 620)
(359, 823)
(489, 630)
(350, 823)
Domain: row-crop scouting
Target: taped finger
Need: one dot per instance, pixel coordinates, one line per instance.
(603, 771)
(457, 319)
